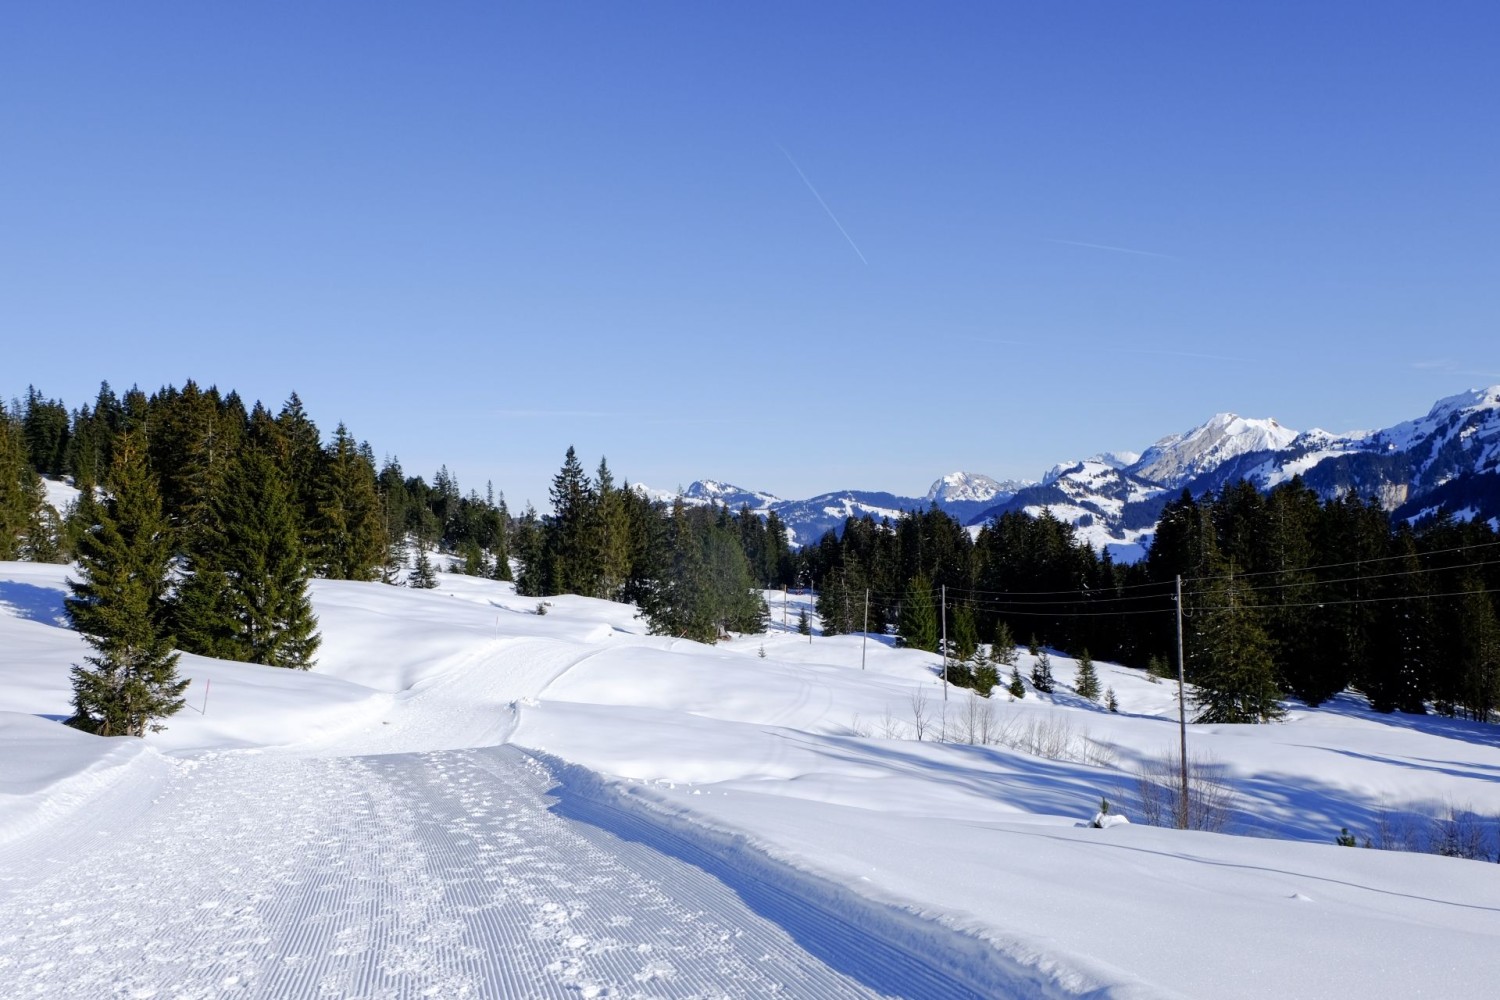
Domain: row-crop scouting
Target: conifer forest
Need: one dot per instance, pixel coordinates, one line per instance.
(200, 520)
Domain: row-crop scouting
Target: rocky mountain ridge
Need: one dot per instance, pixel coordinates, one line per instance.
(1448, 458)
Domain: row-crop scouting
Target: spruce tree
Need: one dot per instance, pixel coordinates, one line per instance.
(964, 638)
(1087, 681)
(1479, 664)
(246, 598)
(570, 559)
(1231, 658)
(610, 536)
(349, 531)
(131, 680)
(1016, 688)
(1003, 649)
(21, 493)
(1041, 672)
(918, 625)
(703, 587)
(423, 577)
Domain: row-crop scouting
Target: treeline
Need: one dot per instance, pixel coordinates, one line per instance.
(354, 522)
(198, 524)
(200, 521)
(693, 571)
(1283, 594)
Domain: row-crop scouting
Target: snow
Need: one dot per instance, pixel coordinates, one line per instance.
(466, 798)
(60, 494)
(971, 487)
(1178, 457)
(1466, 411)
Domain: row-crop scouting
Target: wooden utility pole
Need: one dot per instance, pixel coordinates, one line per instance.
(1182, 799)
(864, 639)
(945, 641)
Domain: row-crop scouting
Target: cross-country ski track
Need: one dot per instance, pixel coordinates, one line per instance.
(478, 795)
(343, 869)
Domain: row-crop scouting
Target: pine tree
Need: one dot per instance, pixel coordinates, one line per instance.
(571, 562)
(918, 626)
(298, 454)
(131, 680)
(1231, 658)
(423, 577)
(704, 587)
(804, 627)
(1003, 649)
(1041, 672)
(349, 531)
(965, 637)
(835, 608)
(1479, 663)
(22, 497)
(1110, 701)
(611, 536)
(1016, 688)
(1087, 682)
(246, 598)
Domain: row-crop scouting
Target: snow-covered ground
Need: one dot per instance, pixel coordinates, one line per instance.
(466, 798)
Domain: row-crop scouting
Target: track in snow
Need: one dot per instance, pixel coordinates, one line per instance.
(439, 874)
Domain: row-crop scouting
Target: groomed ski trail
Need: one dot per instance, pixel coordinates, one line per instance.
(440, 874)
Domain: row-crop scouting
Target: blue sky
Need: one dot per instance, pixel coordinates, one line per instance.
(799, 247)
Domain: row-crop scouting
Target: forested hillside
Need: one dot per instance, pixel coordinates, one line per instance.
(1282, 593)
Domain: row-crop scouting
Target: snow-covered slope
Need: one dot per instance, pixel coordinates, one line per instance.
(1178, 458)
(371, 839)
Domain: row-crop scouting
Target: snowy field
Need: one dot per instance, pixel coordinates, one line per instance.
(468, 799)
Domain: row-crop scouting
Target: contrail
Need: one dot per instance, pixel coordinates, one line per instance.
(814, 190)
(1102, 246)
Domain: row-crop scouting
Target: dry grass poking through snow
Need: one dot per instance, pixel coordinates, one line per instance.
(973, 720)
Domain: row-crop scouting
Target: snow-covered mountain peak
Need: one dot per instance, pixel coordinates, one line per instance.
(1473, 415)
(1178, 457)
(969, 486)
(707, 491)
(1472, 399)
(1116, 459)
(713, 491)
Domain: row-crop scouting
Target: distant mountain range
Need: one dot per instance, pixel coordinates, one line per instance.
(1448, 458)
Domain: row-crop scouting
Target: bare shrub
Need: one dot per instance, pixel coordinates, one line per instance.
(859, 727)
(1398, 832)
(1459, 833)
(920, 713)
(1210, 797)
(890, 727)
(1052, 737)
(976, 721)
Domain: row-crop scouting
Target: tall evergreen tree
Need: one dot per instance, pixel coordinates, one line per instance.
(247, 596)
(1087, 681)
(423, 576)
(350, 530)
(130, 682)
(1041, 670)
(706, 588)
(964, 636)
(1479, 663)
(46, 426)
(21, 494)
(611, 536)
(1230, 658)
(918, 625)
